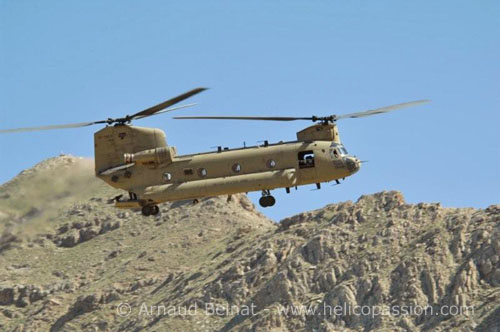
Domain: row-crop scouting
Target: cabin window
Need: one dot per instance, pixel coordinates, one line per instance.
(271, 163)
(167, 177)
(188, 171)
(202, 172)
(306, 159)
(236, 168)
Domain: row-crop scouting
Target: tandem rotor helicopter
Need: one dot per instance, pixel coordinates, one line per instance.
(139, 161)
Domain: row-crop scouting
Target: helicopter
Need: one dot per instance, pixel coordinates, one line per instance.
(139, 161)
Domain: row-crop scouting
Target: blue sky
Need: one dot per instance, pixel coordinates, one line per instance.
(73, 61)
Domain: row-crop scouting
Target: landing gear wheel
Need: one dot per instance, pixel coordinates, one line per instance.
(263, 201)
(148, 210)
(266, 201)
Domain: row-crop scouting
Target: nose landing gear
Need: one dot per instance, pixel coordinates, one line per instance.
(149, 210)
(267, 199)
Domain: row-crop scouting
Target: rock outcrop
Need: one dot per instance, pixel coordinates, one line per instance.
(378, 264)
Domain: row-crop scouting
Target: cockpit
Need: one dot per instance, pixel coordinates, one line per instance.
(337, 150)
(341, 158)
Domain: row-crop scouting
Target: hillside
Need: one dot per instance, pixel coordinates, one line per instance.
(30, 200)
(70, 261)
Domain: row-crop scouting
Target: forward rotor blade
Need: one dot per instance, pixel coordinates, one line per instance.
(63, 126)
(166, 104)
(312, 118)
(265, 118)
(381, 110)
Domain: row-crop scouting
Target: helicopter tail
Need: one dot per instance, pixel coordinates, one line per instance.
(113, 142)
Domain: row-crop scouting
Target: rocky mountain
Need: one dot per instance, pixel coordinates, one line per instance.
(70, 261)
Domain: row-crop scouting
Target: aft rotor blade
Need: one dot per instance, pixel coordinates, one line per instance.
(265, 118)
(381, 110)
(50, 127)
(166, 104)
(169, 110)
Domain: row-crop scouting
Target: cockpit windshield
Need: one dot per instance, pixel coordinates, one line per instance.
(339, 147)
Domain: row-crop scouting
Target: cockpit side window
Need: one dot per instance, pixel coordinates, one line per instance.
(334, 153)
(306, 159)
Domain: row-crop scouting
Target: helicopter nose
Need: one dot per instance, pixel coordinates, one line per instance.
(353, 164)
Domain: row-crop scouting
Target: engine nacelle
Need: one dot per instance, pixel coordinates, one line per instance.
(158, 156)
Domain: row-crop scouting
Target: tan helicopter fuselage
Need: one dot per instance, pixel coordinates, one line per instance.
(139, 161)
